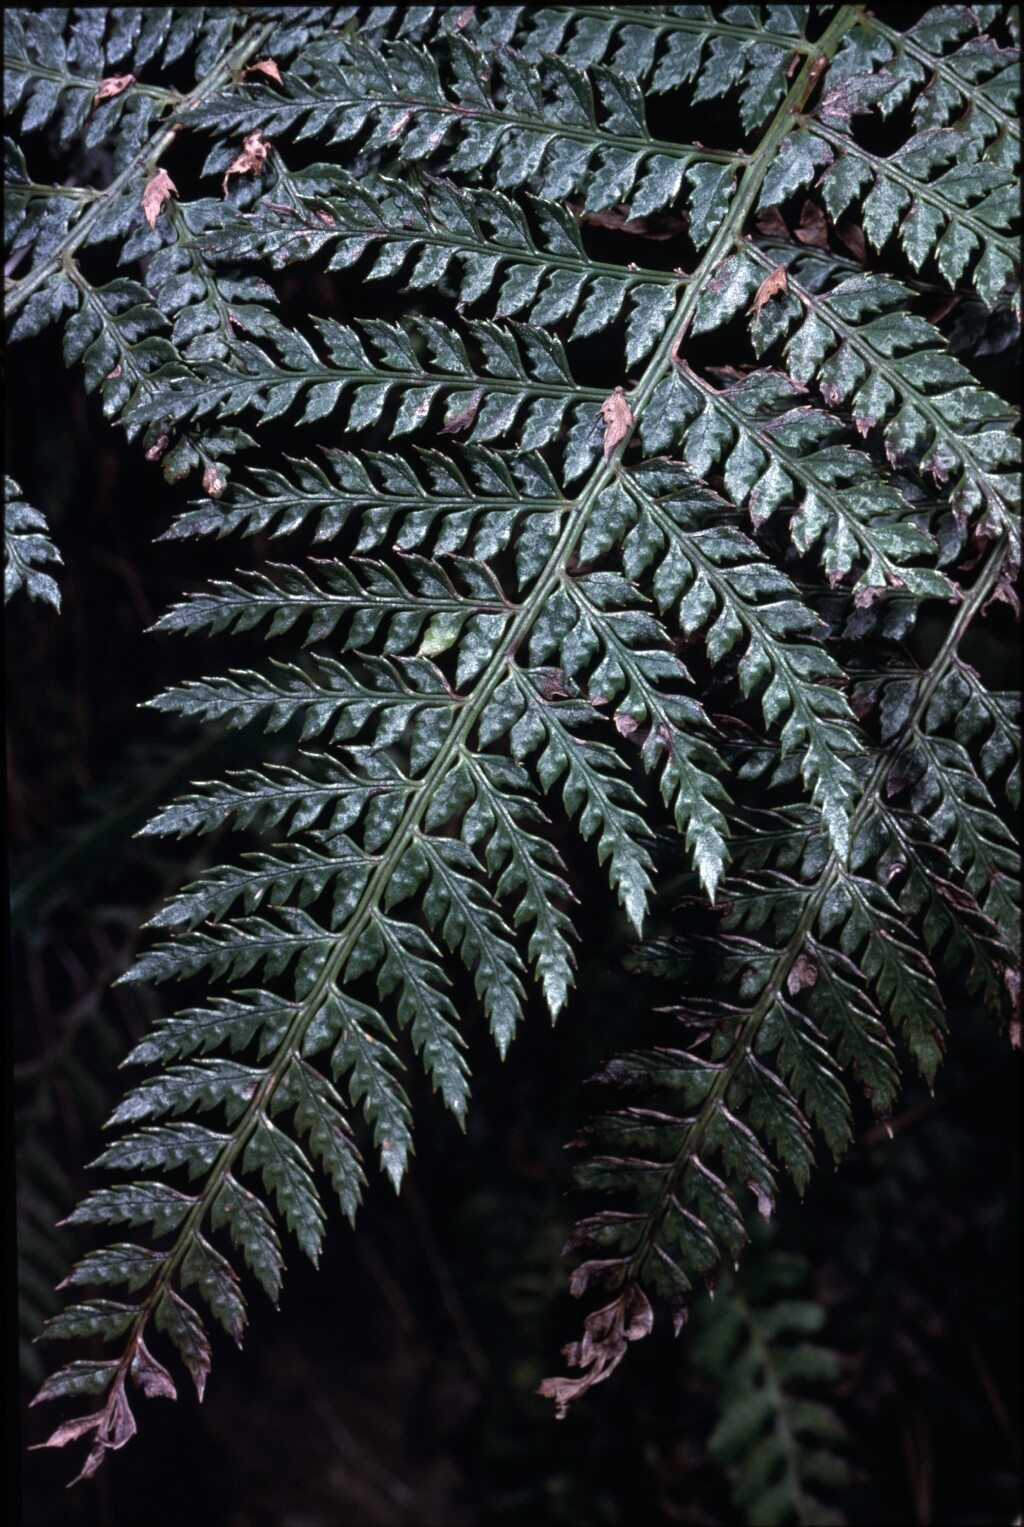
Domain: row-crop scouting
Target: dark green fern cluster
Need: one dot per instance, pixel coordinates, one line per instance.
(668, 602)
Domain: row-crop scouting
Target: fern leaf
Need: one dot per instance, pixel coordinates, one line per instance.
(545, 131)
(492, 626)
(759, 1350)
(290, 796)
(482, 492)
(724, 54)
(715, 570)
(965, 209)
(945, 72)
(778, 453)
(893, 372)
(481, 233)
(517, 368)
(771, 1056)
(27, 549)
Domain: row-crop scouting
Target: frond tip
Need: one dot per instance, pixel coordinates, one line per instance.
(606, 1337)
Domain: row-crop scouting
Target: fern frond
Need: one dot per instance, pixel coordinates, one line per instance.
(481, 234)
(372, 595)
(516, 367)
(47, 73)
(948, 795)
(977, 713)
(969, 207)
(101, 214)
(290, 796)
(769, 1062)
(714, 570)
(948, 74)
(893, 372)
(480, 492)
(778, 453)
(757, 1346)
(27, 549)
(543, 131)
(496, 634)
(746, 54)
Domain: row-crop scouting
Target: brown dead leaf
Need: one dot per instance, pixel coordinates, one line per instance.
(250, 161)
(772, 223)
(660, 226)
(770, 287)
(150, 1376)
(213, 482)
(1011, 980)
(618, 420)
(156, 193)
(606, 1336)
(114, 1425)
(553, 686)
(265, 66)
(112, 86)
(865, 597)
(852, 235)
(804, 973)
(1005, 592)
(943, 305)
(813, 229)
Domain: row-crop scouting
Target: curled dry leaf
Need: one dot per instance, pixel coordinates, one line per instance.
(606, 1337)
(156, 193)
(114, 1425)
(150, 1376)
(402, 122)
(250, 161)
(112, 86)
(618, 420)
(659, 226)
(770, 287)
(265, 66)
(1005, 591)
